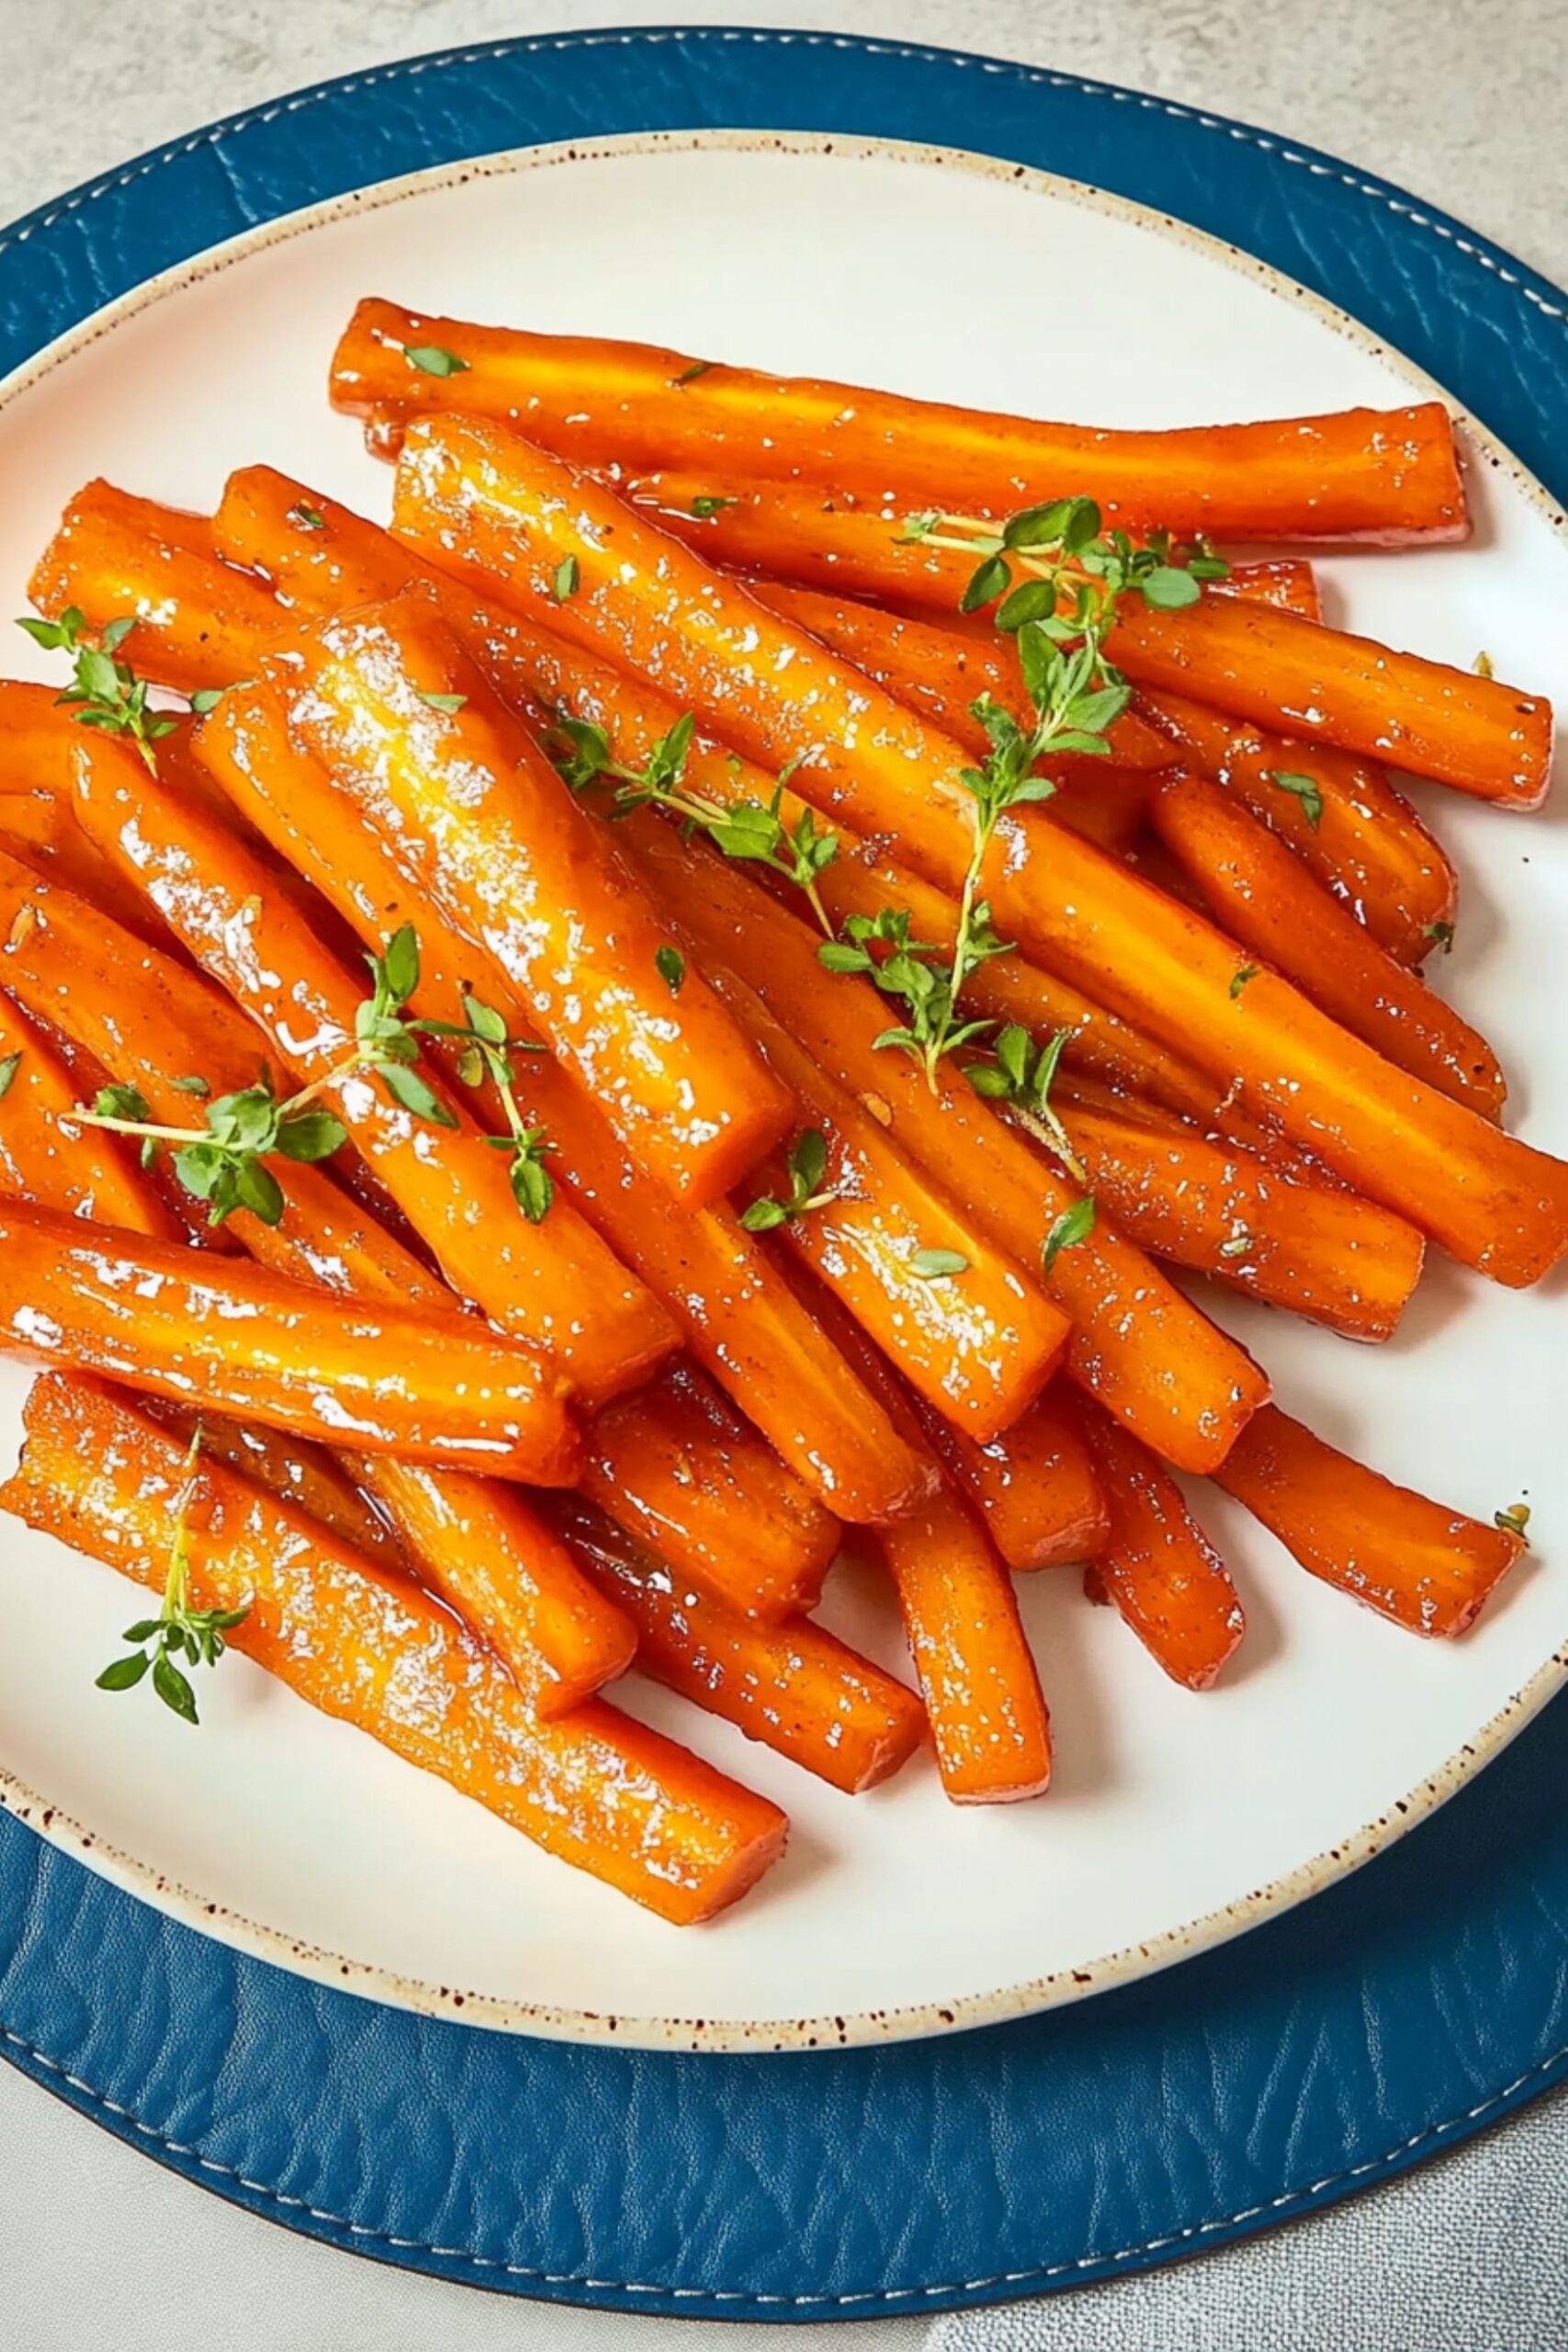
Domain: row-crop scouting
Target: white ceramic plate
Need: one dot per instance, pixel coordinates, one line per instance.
(1173, 1820)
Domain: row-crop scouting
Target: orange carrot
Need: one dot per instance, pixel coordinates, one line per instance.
(49, 1157)
(1361, 837)
(597, 1789)
(1420, 1566)
(680, 1468)
(1141, 1347)
(737, 1315)
(1035, 1486)
(1264, 898)
(116, 556)
(1158, 1566)
(1362, 474)
(392, 1379)
(480, 820)
(1288, 582)
(988, 1721)
(793, 1686)
(303, 1472)
(495, 508)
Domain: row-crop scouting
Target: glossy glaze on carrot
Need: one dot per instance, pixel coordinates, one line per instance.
(1034, 1485)
(1158, 1565)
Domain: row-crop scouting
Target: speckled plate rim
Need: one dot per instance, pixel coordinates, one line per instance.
(963, 2012)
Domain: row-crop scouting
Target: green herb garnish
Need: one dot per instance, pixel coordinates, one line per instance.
(807, 1167)
(178, 1630)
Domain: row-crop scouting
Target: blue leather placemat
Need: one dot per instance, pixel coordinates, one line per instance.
(1391, 2016)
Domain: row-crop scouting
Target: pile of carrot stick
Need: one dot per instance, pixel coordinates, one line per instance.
(706, 989)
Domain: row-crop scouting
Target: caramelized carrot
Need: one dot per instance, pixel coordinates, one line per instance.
(1264, 898)
(49, 1157)
(678, 1466)
(1362, 474)
(198, 620)
(793, 1686)
(1141, 1347)
(481, 823)
(392, 1379)
(1035, 1486)
(1159, 1567)
(553, 1284)
(597, 1789)
(737, 1315)
(988, 1721)
(1287, 581)
(496, 508)
(301, 1472)
(1424, 1567)
(1361, 837)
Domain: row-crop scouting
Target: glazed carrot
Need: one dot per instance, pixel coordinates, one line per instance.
(1264, 898)
(301, 1472)
(737, 1315)
(1420, 1566)
(1143, 1348)
(679, 1468)
(597, 1789)
(198, 620)
(1322, 1253)
(988, 1721)
(481, 821)
(1365, 474)
(1158, 1566)
(47, 1156)
(554, 1282)
(793, 1686)
(1360, 836)
(150, 1021)
(392, 1379)
(1288, 582)
(1035, 1486)
(495, 507)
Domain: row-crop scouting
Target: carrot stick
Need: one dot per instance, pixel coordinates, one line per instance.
(553, 1284)
(482, 825)
(495, 508)
(45, 1157)
(793, 1686)
(1364, 473)
(1035, 1485)
(737, 1315)
(303, 1472)
(1158, 1566)
(1424, 1567)
(393, 1380)
(1137, 1342)
(597, 1789)
(114, 555)
(681, 1470)
(1287, 581)
(1362, 838)
(1266, 899)
(150, 1021)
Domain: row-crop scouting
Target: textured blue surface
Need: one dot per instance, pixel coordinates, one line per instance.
(1399, 2011)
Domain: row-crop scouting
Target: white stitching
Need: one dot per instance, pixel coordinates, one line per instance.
(408, 68)
(1430, 2133)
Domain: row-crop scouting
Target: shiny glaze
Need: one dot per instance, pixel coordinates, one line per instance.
(1158, 1567)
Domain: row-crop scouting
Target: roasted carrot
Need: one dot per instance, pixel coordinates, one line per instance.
(392, 1379)
(1322, 1253)
(598, 1789)
(1288, 582)
(737, 1315)
(1362, 474)
(152, 1023)
(554, 1282)
(1424, 1567)
(1035, 1485)
(681, 1469)
(303, 1472)
(989, 1724)
(793, 1686)
(496, 508)
(1141, 1347)
(480, 820)
(49, 1157)
(1158, 1566)
(1252, 884)
(116, 556)
(1348, 826)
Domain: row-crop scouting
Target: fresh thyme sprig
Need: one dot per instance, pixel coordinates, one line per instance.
(754, 831)
(1074, 573)
(807, 1168)
(178, 1630)
(105, 692)
(1021, 1075)
(487, 1053)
